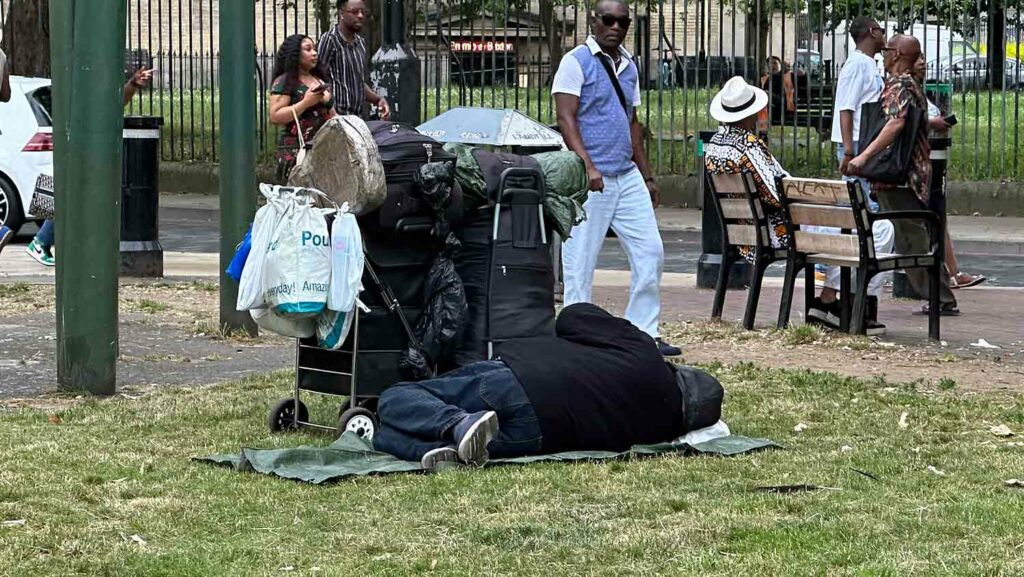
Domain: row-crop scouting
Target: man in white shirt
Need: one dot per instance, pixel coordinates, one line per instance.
(859, 82)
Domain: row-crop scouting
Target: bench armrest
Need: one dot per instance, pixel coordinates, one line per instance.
(926, 215)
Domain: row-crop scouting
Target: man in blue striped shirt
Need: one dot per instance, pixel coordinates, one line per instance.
(343, 52)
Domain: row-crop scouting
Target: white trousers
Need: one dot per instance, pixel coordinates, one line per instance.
(884, 237)
(625, 206)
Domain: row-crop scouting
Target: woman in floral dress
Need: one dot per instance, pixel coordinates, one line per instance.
(299, 90)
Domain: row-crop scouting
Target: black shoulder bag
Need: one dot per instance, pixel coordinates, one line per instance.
(615, 83)
(891, 164)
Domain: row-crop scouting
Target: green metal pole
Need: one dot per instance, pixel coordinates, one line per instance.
(61, 27)
(88, 255)
(237, 147)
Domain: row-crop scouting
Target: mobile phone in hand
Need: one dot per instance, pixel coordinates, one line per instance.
(318, 89)
(950, 120)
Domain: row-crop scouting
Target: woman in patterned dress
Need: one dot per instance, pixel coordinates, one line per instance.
(299, 90)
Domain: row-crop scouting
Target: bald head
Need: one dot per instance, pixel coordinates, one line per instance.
(901, 54)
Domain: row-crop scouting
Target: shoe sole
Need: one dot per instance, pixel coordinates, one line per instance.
(432, 459)
(977, 281)
(824, 317)
(473, 446)
(35, 256)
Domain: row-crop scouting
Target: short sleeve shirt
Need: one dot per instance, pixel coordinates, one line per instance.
(569, 76)
(859, 82)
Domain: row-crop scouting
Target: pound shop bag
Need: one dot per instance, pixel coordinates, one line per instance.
(297, 266)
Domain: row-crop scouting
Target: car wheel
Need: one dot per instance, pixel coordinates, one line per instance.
(11, 215)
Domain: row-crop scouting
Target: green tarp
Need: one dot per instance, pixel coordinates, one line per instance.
(565, 178)
(351, 455)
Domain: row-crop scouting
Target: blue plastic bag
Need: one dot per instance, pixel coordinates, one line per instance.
(234, 269)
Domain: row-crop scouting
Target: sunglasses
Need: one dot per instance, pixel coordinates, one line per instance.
(609, 20)
(357, 11)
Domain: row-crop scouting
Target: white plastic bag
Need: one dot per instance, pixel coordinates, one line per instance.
(297, 328)
(297, 266)
(332, 328)
(250, 285)
(346, 262)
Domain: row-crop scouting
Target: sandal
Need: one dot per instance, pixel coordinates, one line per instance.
(945, 310)
(964, 280)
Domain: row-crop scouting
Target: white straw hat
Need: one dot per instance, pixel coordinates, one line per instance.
(737, 100)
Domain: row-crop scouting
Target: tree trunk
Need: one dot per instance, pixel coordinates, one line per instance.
(996, 44)
(554, 36)
(324, 15)
(757, 27)
(27, 38)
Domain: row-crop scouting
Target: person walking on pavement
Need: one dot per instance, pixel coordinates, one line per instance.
(41, 247)
(596, 91)
(343, 53)
(937, 124)
(859, 83)
(300, 99)
(901, 96)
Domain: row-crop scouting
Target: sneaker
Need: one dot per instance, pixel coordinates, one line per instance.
(668, 350)
(473, 433)
(42, 256)
(823, 313)
(6, 234)
(438, 457)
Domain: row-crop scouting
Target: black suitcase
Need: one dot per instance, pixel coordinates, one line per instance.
(403, 151)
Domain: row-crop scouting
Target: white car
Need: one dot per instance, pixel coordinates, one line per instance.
(26, 146)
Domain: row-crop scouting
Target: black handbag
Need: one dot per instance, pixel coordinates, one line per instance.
(41, 205)
(892, 164)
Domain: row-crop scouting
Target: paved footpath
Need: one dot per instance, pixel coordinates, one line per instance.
(27, 347)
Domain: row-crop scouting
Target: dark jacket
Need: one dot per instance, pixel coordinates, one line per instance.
(600, 384)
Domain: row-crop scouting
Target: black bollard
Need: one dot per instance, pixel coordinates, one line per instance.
(141, 253)
(711, 236)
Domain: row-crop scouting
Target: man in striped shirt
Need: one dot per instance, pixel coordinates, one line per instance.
(343, 52)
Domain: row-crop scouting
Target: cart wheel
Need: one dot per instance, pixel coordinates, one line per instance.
(282, 417)
(358, 420)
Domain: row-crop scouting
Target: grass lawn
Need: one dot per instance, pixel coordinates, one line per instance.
(105, 487)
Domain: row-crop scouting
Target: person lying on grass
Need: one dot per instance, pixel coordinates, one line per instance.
(598, 384)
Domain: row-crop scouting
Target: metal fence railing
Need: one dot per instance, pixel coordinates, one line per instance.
(503, 54)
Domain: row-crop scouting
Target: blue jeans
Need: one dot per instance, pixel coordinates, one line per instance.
(45, 235)
(416, 417)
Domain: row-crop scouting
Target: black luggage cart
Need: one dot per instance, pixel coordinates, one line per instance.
(367, 363)
(506, 267)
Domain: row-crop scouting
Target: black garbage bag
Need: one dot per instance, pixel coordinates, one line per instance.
(444, 298)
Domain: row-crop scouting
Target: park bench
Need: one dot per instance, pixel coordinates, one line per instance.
(743, 224)
(812, 203)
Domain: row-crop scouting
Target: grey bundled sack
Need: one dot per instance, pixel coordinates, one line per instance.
(345, 164)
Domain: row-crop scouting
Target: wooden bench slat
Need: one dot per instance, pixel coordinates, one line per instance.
(819, 215)
(742, 234)
(738, 208)
(829, 192)
(728, 183)
(836, 244)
